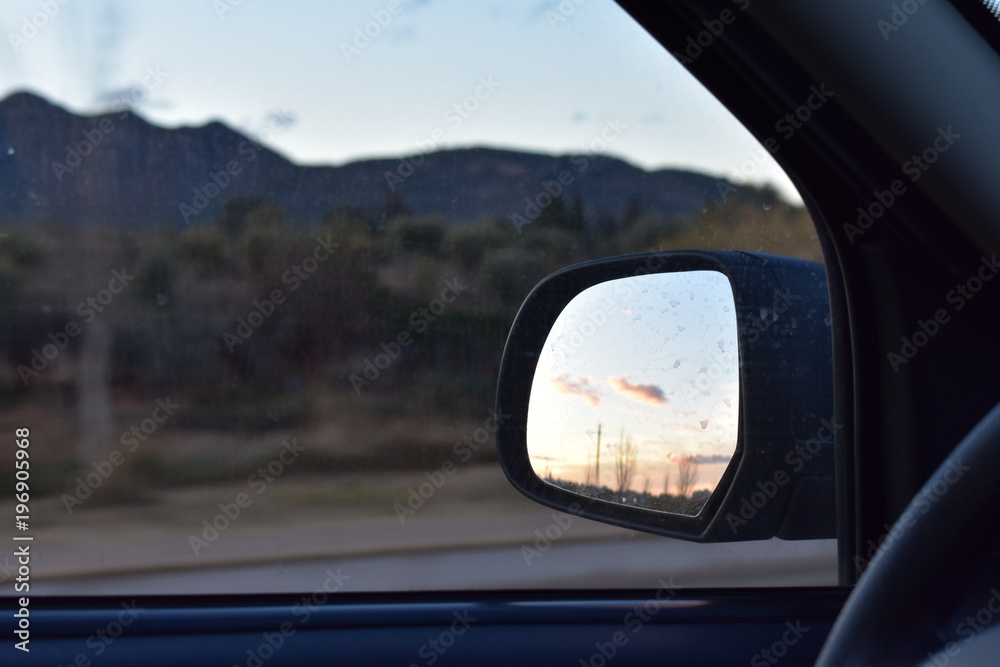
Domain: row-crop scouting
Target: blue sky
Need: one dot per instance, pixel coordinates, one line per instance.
(557, 76)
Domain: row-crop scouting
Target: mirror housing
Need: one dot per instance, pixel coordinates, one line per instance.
(780, 482)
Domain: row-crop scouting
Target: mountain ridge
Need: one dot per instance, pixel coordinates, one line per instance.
(56, 167)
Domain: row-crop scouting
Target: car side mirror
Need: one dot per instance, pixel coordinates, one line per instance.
(686, 394)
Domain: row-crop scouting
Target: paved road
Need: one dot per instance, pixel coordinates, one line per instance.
(636, 562)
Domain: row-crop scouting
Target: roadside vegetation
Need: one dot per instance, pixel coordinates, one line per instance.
(372, 337)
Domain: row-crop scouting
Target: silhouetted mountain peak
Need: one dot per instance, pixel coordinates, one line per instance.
(116, 167)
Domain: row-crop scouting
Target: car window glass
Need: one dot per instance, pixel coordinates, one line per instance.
(258, 262)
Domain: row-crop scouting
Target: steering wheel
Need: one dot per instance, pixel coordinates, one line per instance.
(905, 607)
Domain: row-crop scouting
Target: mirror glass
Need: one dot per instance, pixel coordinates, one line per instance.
(635, 399)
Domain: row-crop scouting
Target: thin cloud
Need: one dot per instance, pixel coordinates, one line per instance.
(282, 118)
(677, 426)
(707, 460)
(645, 393)
(108, 34)
(582, 388)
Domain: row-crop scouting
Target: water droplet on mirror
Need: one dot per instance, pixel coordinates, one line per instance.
(161, 299)
(10, 151)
